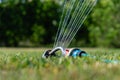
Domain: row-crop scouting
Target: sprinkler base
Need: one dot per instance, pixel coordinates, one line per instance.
(73, 52)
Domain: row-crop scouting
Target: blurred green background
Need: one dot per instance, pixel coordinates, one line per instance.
(33, 23)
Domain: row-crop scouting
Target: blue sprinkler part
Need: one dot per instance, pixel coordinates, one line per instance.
(77, 52)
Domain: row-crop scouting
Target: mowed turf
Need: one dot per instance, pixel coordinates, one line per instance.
(27, 64)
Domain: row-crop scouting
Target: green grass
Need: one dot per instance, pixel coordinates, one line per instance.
(27, 64)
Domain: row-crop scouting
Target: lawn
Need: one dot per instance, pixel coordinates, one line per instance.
(27, 64)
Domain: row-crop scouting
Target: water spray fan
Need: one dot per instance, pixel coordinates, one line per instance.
(74, 13)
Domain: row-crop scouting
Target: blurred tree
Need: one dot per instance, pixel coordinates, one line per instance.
(105, 25)
(116, 21)
(46, 16)
(36, 21)
(28, 21)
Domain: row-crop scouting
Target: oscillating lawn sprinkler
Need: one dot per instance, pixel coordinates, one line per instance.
(74, 13)
(73, 16)
(73, 52)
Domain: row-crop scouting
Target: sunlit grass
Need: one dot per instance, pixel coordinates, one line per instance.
(27, 64)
